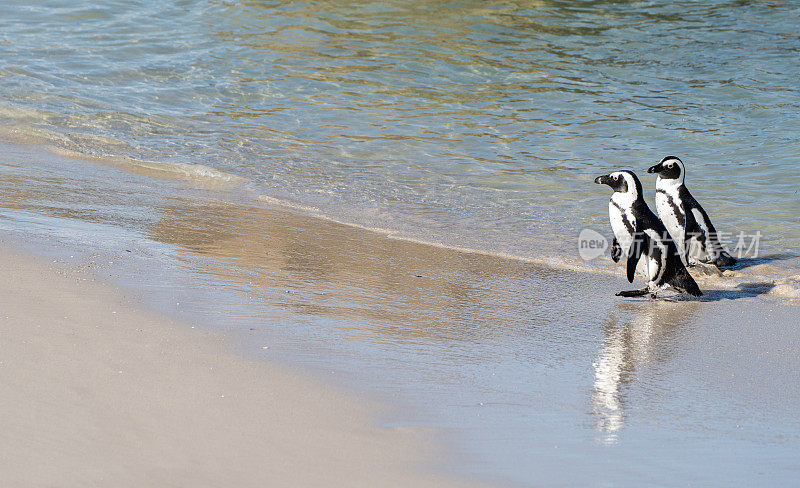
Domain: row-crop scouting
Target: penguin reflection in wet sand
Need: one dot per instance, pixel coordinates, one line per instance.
(685, 219)
(640, 235)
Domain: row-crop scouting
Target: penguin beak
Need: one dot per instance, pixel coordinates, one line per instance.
(603, 180)
(655, 169)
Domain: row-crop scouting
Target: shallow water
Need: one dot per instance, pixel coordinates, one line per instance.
(198, 143)
(474, 123)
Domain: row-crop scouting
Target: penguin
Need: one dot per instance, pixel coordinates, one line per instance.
(687, 222)
(640, 235)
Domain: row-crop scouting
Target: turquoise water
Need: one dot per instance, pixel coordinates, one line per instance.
(476, 123)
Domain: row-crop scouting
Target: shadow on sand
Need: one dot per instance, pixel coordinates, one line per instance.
(743, 263)
(743, 290)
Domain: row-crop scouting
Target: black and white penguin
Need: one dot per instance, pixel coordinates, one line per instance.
(685, 219)
(640, 236)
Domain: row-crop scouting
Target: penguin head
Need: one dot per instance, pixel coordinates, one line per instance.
(669, 168)
(623, 182)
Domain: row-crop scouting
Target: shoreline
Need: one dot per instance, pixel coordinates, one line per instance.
(476, 347)
(751, 272)
(104, 391)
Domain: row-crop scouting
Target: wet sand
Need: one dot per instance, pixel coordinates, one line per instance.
(532, 374)
(99, 392)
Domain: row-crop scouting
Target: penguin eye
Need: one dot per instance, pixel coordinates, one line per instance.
(669, 165)
(615, 177)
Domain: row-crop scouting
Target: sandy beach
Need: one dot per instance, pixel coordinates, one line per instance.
(99, 392)
(256, 345)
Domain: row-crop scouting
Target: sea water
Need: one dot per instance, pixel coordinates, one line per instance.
(478, 123)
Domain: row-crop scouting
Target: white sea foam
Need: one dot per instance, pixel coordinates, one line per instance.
(88, 148)
(193, 172)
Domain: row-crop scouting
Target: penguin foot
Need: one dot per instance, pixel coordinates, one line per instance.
(707, 268)
(724, 260)
(636, 293)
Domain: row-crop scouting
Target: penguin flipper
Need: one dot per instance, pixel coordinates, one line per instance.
(691, 230)
(640, 241)
(616, 250)
(708, 237)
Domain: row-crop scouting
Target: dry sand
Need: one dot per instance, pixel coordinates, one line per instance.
(98, 392)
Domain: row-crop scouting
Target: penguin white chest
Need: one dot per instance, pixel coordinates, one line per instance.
(622, 223)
